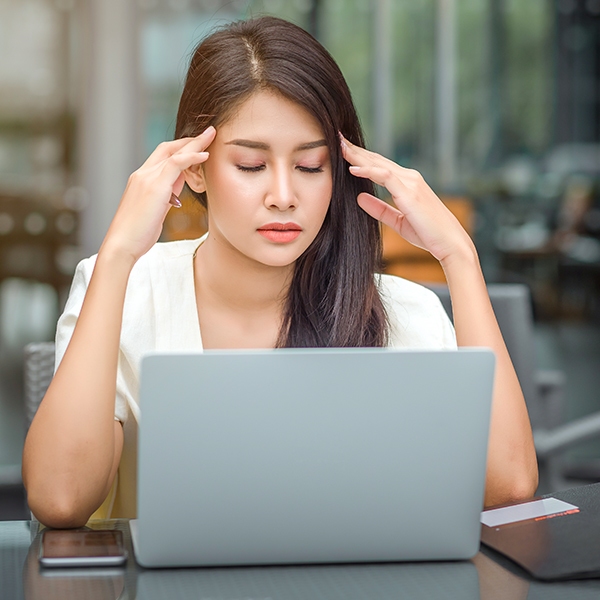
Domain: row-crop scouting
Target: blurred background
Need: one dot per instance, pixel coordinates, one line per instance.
(496, 102)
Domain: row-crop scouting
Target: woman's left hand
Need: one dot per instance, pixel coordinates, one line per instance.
(419, 216)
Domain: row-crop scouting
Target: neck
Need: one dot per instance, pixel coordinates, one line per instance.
(228, 279)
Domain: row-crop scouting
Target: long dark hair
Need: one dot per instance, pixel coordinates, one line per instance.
(333, 300)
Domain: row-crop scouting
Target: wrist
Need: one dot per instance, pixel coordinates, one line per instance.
(463, 261)
(118, 260)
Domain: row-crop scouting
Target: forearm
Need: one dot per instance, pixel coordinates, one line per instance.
(69, 460)
(511, 464)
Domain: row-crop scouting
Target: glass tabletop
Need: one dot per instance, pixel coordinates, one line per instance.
(489, 576)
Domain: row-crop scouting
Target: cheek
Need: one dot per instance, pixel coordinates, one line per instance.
(227, 192)
(323, 193)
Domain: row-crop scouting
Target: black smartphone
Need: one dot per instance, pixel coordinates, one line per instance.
(82, 548)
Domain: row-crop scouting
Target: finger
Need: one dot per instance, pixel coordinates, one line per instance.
(167, 149)
(380, 210)
(384, 177)
(356, 155)
(173, 167)
(164, 150)
(200, 142)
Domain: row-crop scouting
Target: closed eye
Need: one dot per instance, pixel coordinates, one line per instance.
(258, 168)
(250, 169)
(310, 169)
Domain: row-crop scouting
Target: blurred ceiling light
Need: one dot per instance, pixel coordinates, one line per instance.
(65, 223)
(35, 223)
(518, 174)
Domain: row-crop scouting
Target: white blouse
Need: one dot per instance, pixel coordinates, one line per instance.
(160, 314)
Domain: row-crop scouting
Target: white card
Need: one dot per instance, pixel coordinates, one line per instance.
(527, 510)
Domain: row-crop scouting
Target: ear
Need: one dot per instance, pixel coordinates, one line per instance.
(194, 177)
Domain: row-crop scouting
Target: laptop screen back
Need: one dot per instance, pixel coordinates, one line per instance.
(307, 456)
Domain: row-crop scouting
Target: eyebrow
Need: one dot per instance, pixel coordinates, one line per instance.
(262, 146)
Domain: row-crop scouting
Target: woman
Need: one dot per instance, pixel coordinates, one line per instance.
(268, 139)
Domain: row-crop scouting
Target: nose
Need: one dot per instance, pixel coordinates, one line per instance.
(281, 194)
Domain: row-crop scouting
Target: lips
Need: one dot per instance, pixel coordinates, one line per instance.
(280, 233)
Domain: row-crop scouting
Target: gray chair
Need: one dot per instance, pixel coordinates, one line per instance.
(543, 389)
(38, 372)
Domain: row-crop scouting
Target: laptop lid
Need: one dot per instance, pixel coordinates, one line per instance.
(309, 456)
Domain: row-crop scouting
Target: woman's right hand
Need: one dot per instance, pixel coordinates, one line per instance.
(74, 445)
(138, 221)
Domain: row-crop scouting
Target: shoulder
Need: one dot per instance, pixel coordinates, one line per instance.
(164, 260)
(396, 289)
(416, 315)
(162, 267)
(160, 253)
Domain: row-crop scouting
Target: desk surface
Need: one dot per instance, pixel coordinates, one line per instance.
(487, 577)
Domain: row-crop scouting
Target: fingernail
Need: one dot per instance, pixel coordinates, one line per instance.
(175, 201)
(209, 128)
(354, 169)
(342, 140)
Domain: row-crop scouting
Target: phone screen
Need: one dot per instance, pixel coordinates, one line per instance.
(89, 547)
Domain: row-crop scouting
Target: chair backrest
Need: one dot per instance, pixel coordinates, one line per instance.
(512, 306)
(38, 373)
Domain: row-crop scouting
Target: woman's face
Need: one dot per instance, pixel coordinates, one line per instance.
(268, 180)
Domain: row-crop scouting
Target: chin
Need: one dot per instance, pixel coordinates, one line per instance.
(270, 254)
(282, 255)
(273, 259)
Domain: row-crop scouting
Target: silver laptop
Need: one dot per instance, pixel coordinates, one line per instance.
(311, 456)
